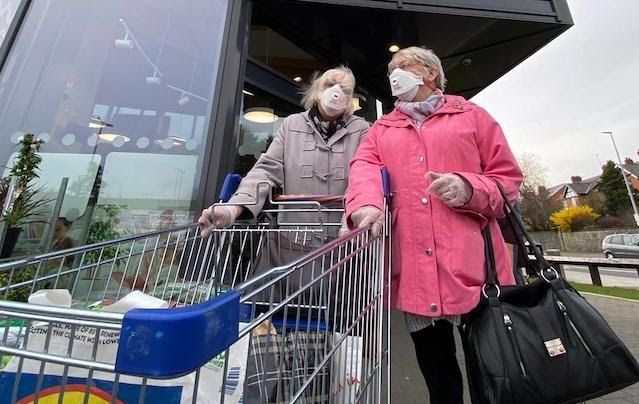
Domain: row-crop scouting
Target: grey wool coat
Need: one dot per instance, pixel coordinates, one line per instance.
(301, 162)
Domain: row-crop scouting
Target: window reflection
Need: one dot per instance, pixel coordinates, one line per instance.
(7, 12)
(261, 116)
(128, 88)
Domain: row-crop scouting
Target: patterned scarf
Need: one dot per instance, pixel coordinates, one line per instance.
(325, 128)
(419, 111)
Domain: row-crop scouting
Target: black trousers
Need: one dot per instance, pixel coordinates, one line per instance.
(435, 349)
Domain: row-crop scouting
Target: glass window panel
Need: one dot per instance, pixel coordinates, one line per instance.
(118, 82)
(255, 136)
(7, 12)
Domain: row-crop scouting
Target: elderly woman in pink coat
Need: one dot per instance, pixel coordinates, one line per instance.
(445, 156)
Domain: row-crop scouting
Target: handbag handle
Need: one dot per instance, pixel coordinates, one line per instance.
(519, 229)
(517, 225)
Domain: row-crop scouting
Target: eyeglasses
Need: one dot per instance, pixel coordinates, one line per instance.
(404, 64)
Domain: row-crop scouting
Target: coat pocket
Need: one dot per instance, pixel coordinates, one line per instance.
(465, 234)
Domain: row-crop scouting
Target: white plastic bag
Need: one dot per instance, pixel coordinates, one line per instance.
(346, 371)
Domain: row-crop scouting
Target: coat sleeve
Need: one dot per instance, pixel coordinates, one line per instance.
(365, 180)
(268, 168)
(498, 164)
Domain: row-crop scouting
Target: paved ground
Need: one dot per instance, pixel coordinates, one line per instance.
(407, 385)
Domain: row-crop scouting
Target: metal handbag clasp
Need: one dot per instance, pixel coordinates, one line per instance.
(555, 347)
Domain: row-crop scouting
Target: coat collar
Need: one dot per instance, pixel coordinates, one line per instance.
(337, 135)
(454, 105)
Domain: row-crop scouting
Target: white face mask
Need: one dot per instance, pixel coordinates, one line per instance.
(404, 84)
(334, 101)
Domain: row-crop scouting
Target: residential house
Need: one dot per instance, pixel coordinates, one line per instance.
(576, 192)
(631, 170)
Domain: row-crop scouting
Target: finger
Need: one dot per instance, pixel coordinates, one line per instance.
(206, 230)
(455, 203)
(366, 221)
(376, 229)
(448, 195)
(432, 176)
(438, 186)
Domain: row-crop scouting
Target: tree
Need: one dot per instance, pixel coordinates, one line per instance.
(574, 218)
(536, 208)
(613, 187)
(534, 170)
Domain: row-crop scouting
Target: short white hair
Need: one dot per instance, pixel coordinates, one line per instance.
(425, 57)
(341, 75)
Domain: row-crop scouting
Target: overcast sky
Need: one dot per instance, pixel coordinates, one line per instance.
(556, 103)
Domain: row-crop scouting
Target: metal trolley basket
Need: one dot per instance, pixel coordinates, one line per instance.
(227, 336)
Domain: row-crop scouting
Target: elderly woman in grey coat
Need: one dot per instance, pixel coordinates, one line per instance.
(309, 155)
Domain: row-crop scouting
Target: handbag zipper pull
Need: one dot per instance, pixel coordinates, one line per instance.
(572, 325)
(507, 320)
(513, 343)
(566, 319)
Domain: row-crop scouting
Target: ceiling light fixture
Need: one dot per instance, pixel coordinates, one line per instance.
(260, 115)
(355, 102)
(111, 137)
(247, 93)
(170, 141)
(297, 79)
(177, 141)
(184, 99)
(95, 122)
(185, 93)
(125, 43)
(129, 41)
(393, 48)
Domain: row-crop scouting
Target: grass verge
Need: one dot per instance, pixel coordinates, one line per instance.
(607, 291)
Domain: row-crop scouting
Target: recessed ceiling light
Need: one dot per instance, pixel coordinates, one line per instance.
(393, 48)
(260, 115)
(297, 79)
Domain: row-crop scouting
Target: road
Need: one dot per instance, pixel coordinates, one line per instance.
(620, 272)
(620, 277)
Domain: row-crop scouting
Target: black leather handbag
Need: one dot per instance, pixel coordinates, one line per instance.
(542, 342)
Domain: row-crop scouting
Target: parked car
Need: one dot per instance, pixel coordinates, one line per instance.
(621, 246)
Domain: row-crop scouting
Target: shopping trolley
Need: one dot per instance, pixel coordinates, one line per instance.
(226, 337)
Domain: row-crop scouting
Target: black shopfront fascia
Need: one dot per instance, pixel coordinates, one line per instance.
(504, 29)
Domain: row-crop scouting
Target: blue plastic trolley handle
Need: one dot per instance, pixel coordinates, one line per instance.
(231, 182)
(386, 182)
(168, 343)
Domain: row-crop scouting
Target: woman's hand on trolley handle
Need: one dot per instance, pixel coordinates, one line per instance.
(218, 217)
(369, 216)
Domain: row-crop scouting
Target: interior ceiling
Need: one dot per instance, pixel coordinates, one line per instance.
(360, 38)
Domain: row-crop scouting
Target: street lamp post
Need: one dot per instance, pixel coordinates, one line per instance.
(625, 180)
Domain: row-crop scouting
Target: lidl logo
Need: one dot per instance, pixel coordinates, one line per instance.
(71, 394)
(54, 390)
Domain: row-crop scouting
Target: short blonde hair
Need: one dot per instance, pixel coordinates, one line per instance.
(423, 56)
(346, 80)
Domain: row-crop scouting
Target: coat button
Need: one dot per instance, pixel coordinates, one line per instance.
(433, 307)
(429, 251)
(425, 201)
